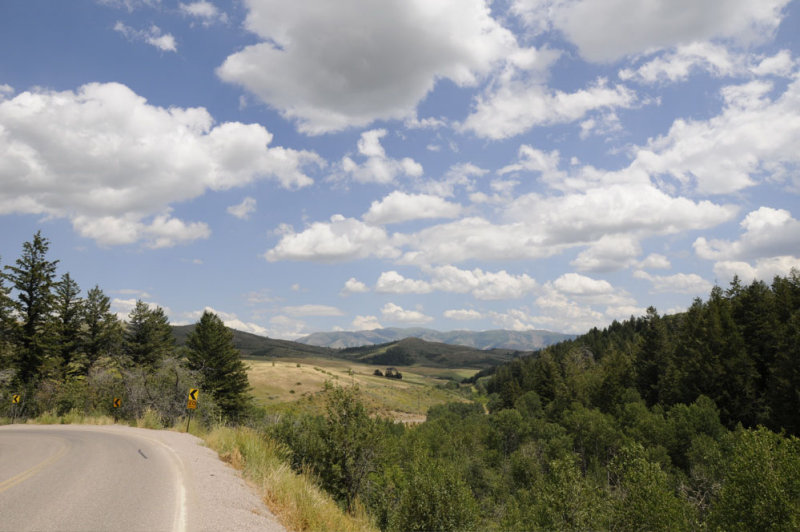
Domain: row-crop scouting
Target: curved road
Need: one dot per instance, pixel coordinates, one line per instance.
(64, 477)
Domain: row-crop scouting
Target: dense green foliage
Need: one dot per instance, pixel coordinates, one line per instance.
(657, 423)
(62, 352)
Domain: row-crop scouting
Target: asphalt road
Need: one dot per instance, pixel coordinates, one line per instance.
(62, 477)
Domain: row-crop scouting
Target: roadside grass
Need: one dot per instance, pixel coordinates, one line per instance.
(295, 499)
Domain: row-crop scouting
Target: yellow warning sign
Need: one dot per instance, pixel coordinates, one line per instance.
(191, 404)
(117, 402)
(15, 398)
(193, 394)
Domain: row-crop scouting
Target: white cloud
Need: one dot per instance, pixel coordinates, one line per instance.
(458, 175)
(392, 282)
(366, 323)
(576, 284)
(767, 233)
(763, 269)
(339, 240)
(286, 328)
(654, 261)
(481, 284)
(298, 311)
(609, 253)
(401, 207)
(203, 10)
(681, 283)
(152, 36)
(709, 57)
(753, 137)
(513, 108)
(244, 209)
(396, 313)
(354, 286)
(605, 31)
(377, 166)
(390, 57)
(463, 314)
(113, 164)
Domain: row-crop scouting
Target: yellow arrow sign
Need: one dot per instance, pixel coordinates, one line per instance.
(117, 402)
(193, 394)
(15, 398)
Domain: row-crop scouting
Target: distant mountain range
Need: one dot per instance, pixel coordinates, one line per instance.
(497, 339)
(398, 347)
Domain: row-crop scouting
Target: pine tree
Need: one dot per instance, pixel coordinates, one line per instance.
(212, 354)
(148, 338)
(33, 278)
(8, 325)
(103, 332)
(68, 318)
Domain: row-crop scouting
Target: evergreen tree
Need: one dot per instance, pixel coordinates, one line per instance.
(8, 325)
(33, 278)
(212, 354)
(103, 331)
(148, 338)
(68, 318)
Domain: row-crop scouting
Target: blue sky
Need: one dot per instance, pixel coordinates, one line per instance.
(454, 164)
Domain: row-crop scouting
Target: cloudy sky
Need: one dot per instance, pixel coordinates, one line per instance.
(454, 164)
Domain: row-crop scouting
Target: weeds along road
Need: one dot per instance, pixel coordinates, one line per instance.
(81, 477)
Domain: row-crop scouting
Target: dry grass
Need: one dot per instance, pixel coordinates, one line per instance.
(297, 502)
(290, 383)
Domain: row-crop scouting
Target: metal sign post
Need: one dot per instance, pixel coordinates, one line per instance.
(117, 403)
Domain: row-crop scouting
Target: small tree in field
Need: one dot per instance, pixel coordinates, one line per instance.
(212, 354)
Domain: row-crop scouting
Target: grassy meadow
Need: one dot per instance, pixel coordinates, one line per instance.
(288, 383)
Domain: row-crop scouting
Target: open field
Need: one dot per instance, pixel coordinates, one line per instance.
(296, 383)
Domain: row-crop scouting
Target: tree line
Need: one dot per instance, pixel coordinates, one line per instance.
(62, 352)
(683, 422)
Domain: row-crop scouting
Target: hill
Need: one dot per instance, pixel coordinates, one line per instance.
(253, 345)
(415, 351)
(495, 339)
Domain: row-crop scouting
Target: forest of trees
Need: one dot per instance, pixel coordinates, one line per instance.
(63, 352)
(684, 422)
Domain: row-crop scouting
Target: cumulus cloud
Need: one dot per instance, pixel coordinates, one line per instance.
(366, 323)
(515, 107)
(654, 261)
(244, 209)
(762, 269)
(605, 31)
(377, 166)
(393, 53)
(396, 313)
(576, 284)
(753, 137)
(401, 207)
(354, 286)
(114, 164)
(203, 10)
(392, 282)
(709, 57)
(462, 314)
(152, 36)
(767, 233)
(481, 284)
(339, 240)
(458, 175)
(681, 283)
(609, 253)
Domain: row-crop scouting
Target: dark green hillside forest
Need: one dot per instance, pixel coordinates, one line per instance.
(682, 422)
